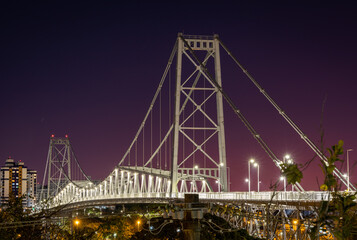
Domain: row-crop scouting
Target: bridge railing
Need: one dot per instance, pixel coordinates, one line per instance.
(309, 196)
(266, 196)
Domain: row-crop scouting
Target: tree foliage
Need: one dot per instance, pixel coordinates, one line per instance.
(339, 213)
(292, 172)
(13, 219)
(18, 223)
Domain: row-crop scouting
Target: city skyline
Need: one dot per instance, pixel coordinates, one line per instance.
(90, 71)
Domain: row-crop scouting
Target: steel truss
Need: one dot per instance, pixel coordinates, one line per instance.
(61, 167)
(271, 221)
(121, 183)
(58, 167)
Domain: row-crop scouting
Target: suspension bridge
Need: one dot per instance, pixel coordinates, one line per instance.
(180, 144)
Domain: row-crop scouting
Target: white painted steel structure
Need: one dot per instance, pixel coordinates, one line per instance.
(186, 88)
(61, 167)
(193, 123)
(128, 184)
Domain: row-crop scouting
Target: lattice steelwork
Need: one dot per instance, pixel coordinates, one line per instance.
(61, 167)
(198, 120)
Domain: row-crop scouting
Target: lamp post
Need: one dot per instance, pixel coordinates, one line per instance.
(249, 162)
(257, 166)
(348, 170)
(282, 178)
(247, 181)
(219, 185)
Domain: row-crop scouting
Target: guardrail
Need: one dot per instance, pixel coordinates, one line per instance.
(308, 196)
(314, 196)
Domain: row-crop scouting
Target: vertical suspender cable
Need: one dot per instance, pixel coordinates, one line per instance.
(193, 130)
(151, 138)
(204, 125)
(160, 131)
(169, 149)
(183, 139)
(143, 157)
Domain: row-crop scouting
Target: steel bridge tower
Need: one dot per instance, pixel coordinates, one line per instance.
(193, 48)
(58, 167)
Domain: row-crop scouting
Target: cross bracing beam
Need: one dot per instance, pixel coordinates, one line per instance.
(147, 170)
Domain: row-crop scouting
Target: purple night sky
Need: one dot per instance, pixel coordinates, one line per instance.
(90, 70)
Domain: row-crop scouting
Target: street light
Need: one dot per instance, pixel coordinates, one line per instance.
(247, 181)
(348, 171)
(295, 224)
(219, 185)
(76, 223)
(138, 222)
(249, 162)
(257, 165)
(283, 179)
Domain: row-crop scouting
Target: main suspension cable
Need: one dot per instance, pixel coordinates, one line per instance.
(284, 115)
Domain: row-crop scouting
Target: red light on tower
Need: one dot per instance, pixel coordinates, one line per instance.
(66, 136)
(52, 136)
